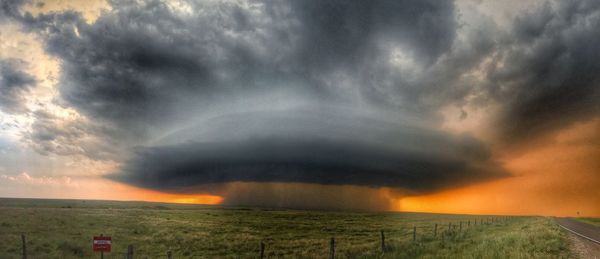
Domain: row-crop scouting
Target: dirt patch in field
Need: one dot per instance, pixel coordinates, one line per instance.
(584, 248)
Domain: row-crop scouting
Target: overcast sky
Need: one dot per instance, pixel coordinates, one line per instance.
(440, 106)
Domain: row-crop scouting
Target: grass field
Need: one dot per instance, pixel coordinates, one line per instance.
(64, 229)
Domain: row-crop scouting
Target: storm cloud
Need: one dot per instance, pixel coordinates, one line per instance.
(14, 84)
(310, 146)
(316, 92)
(548, 73)
(143, 62)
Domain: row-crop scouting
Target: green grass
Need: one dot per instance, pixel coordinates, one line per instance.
(591, 221)
(64, 229)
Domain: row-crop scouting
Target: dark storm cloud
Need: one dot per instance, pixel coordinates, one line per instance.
(548, 74)
(310, 147)
(140, 62)
(342, 33)
(14, 84)
(151, 67)
(10, 9)
(354, 41)
(133, 65)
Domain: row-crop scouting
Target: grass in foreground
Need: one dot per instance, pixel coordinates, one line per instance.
(64, 229)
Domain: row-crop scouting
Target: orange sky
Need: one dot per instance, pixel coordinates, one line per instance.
(558, 177)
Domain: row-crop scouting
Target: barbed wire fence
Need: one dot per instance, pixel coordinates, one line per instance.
(415, 233)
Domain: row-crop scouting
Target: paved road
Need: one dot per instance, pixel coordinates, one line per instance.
(581, 229)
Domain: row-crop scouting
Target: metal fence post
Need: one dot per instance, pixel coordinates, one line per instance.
(382, 242)
(24, 246)
(130, 252)
(332, 248)
(262, 250)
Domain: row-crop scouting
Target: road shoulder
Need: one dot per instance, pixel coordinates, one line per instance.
(582, 247)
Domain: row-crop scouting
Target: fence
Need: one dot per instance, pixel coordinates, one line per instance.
(433, 231)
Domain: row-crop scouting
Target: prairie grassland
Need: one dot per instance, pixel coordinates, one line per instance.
(64, 229)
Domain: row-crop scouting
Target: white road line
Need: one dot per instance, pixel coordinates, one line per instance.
(586, 237)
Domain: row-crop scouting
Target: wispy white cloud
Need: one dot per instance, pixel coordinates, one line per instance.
(25, 178)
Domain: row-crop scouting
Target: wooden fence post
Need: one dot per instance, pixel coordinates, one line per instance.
(262, 250)
(414, 233)
(332, 248)
(169, 255)
(435, 230)
(449, 226)
(469, 223)
(130, 252)
(460, 228)
(24, 246)
(382, 242)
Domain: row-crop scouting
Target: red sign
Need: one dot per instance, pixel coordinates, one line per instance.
(102, 244)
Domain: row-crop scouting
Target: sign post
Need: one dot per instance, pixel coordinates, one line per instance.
(102, 244)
